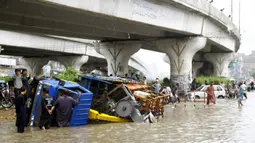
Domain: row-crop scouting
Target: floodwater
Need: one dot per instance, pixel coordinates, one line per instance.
(224, 122)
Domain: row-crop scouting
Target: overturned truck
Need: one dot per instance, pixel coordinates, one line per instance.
(120, 97)
(110, 99)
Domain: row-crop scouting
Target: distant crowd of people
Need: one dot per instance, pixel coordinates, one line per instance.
(238, 91)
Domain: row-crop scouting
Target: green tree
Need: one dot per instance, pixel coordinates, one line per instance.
(217, 80)
(6, 78)
(70, 75)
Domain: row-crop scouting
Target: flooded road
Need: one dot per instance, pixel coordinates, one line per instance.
(220, 123)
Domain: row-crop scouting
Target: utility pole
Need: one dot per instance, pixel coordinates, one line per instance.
(240, 16)
(232, 14)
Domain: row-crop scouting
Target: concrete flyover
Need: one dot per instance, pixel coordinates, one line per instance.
(37, 50)
(121, 19)
(179, 28)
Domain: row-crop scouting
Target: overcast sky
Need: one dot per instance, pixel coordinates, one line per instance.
(159, 68)
(247, 20)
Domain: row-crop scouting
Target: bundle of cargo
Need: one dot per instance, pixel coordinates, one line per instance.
(149, 102)
(123, 98)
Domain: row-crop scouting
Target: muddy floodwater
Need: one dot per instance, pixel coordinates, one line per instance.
(220, 123)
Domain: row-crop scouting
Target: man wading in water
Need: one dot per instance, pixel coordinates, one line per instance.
(64, 106)
(240, 94)
(46, 114)
(20, 110)
(210, 94)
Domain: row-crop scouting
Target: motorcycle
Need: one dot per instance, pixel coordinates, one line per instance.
(6, 99)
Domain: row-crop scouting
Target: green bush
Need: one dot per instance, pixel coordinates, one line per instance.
(69, 75)
(216, 80)
(6, 78)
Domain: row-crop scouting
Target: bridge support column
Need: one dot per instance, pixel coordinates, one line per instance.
(88, 68)
(180, 53)
(195, 67)
(220, 63)
(117, 55)
(74, 62)
(34, 65)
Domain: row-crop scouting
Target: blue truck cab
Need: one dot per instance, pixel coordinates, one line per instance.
(56, 87)
(94, 84)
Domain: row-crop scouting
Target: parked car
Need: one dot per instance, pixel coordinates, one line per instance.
(200, 93)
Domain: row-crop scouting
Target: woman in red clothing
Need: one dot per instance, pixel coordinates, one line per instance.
(210, 94)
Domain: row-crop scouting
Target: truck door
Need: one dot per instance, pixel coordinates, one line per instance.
(37, 107)
(37, 98)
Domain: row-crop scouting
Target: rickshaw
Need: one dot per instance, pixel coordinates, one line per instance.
(149, 102)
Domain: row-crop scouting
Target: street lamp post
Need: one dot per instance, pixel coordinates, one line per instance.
(232, 14)
(239, 16)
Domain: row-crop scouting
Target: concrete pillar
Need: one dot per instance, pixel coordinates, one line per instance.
(117, 55)
(195, 67)
(180, 53)
(74, 62)
(34, 65)
(53, 66)
(220, 63)
(88, 68)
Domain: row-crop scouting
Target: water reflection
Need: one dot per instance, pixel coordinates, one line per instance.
(220, 123)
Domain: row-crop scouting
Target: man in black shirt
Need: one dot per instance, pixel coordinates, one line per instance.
(20, 110)
(25, 81)
(46, 114)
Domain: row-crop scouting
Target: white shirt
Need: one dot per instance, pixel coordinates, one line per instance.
(168, 91)
(244, 87)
